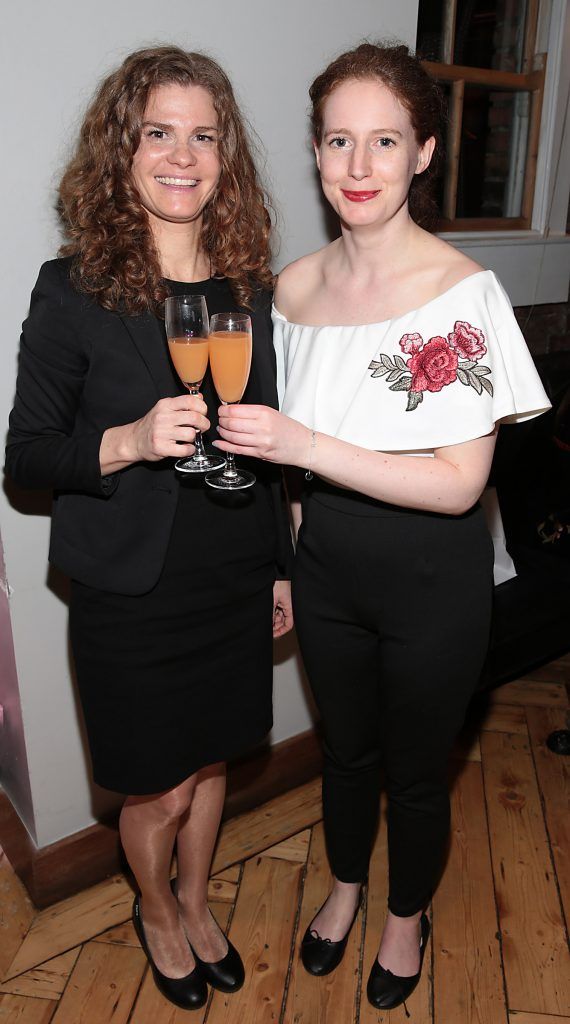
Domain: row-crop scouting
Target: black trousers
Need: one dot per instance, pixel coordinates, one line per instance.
(392, 608)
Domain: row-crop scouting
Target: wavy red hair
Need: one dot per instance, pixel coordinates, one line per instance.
(402, 73)
(107, 227)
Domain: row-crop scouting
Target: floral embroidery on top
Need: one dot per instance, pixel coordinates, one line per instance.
(435, 363)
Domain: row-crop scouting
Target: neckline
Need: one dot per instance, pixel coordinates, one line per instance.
(393, 319)
(191, 284)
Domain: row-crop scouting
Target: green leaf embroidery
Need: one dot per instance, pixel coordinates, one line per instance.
(414, 399)
(393, 375)
(475, 382)
(487, 385)
(378, 369)
(462, 376)
(402, 385)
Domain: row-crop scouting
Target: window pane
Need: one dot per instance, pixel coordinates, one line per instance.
(430, 30)
(488, 33)
(492, 157)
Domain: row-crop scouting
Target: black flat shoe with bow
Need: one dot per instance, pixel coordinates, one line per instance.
(385, 990)
(191, 992)
(321, 956)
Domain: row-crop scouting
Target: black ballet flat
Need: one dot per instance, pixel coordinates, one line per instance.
(227, 974)
(385, 990)
(322, 956)
(191, 992)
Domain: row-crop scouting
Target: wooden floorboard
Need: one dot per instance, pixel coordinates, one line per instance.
(275, 821)
(468, 977)
(262, 928)
(536, 1018)
(528, 693)
(505, 718)
(73, 921)
(102, 985)
(24, 1010)
(46, 981)
(332, 998)
(557, 671)
(553, 773)
(533, 936)
(16, 914)
(497, 954)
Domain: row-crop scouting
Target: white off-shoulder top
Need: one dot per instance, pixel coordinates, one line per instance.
(439, 375)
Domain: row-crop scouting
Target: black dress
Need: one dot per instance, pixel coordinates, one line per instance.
(180, 677)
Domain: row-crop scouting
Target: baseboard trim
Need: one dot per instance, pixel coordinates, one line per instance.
(54, 872)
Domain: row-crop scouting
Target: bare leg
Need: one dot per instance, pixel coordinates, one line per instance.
(195, 846)
(148, 826)
(336, 915)
(400, 945)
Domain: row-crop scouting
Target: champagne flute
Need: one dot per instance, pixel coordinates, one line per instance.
(230, 361)
(186, 319)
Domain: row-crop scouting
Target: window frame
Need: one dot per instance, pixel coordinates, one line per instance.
(530, 80)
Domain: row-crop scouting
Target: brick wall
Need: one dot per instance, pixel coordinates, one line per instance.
(546, 328)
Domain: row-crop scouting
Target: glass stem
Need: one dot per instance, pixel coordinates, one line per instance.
(199, 454)
(230, 471)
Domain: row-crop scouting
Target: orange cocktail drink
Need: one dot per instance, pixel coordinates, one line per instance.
(230, 362)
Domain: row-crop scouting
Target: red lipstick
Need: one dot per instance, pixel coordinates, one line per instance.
(359, 197)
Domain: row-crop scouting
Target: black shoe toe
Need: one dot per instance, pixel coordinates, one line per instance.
(190, 992)
(386, 991)
(227, 974)
(321, 956)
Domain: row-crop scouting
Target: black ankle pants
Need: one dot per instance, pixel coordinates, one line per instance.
(392, 609)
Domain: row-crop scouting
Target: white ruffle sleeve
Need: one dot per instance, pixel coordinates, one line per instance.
(439, 375)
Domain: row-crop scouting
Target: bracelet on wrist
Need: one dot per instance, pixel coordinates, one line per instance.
(309, 474)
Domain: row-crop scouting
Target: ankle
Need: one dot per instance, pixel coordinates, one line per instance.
(158, 910)
(347, 892)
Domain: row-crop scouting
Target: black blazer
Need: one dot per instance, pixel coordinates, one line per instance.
(83, 369)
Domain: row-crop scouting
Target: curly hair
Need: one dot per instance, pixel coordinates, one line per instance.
(402, 73)
(107, 228)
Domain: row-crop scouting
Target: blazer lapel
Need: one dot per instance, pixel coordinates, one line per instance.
(148, 337)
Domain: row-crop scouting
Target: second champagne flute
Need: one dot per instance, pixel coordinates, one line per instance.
(230, 362)
(186, 319)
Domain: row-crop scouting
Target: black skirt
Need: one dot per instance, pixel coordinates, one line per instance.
(166, 687)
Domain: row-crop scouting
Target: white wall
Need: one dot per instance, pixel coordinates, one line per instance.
(53, 55)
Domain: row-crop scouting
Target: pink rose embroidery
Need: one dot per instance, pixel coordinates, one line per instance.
(433, 367)
(468, 341)
(411, 343)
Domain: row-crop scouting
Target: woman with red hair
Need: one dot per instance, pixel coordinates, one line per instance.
(399, 357)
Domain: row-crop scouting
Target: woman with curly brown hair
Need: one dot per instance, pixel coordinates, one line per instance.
(174, 596)
(400, 356)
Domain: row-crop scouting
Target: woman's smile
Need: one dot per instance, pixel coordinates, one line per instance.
(361, 196)
(176, 182)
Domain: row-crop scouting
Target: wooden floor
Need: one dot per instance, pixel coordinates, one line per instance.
(498, 952)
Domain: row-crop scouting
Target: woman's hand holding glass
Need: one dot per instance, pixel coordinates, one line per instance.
(264, 433)
(169, 428)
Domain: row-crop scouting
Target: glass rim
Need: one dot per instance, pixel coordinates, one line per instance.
(188, 300)
(230, 318)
